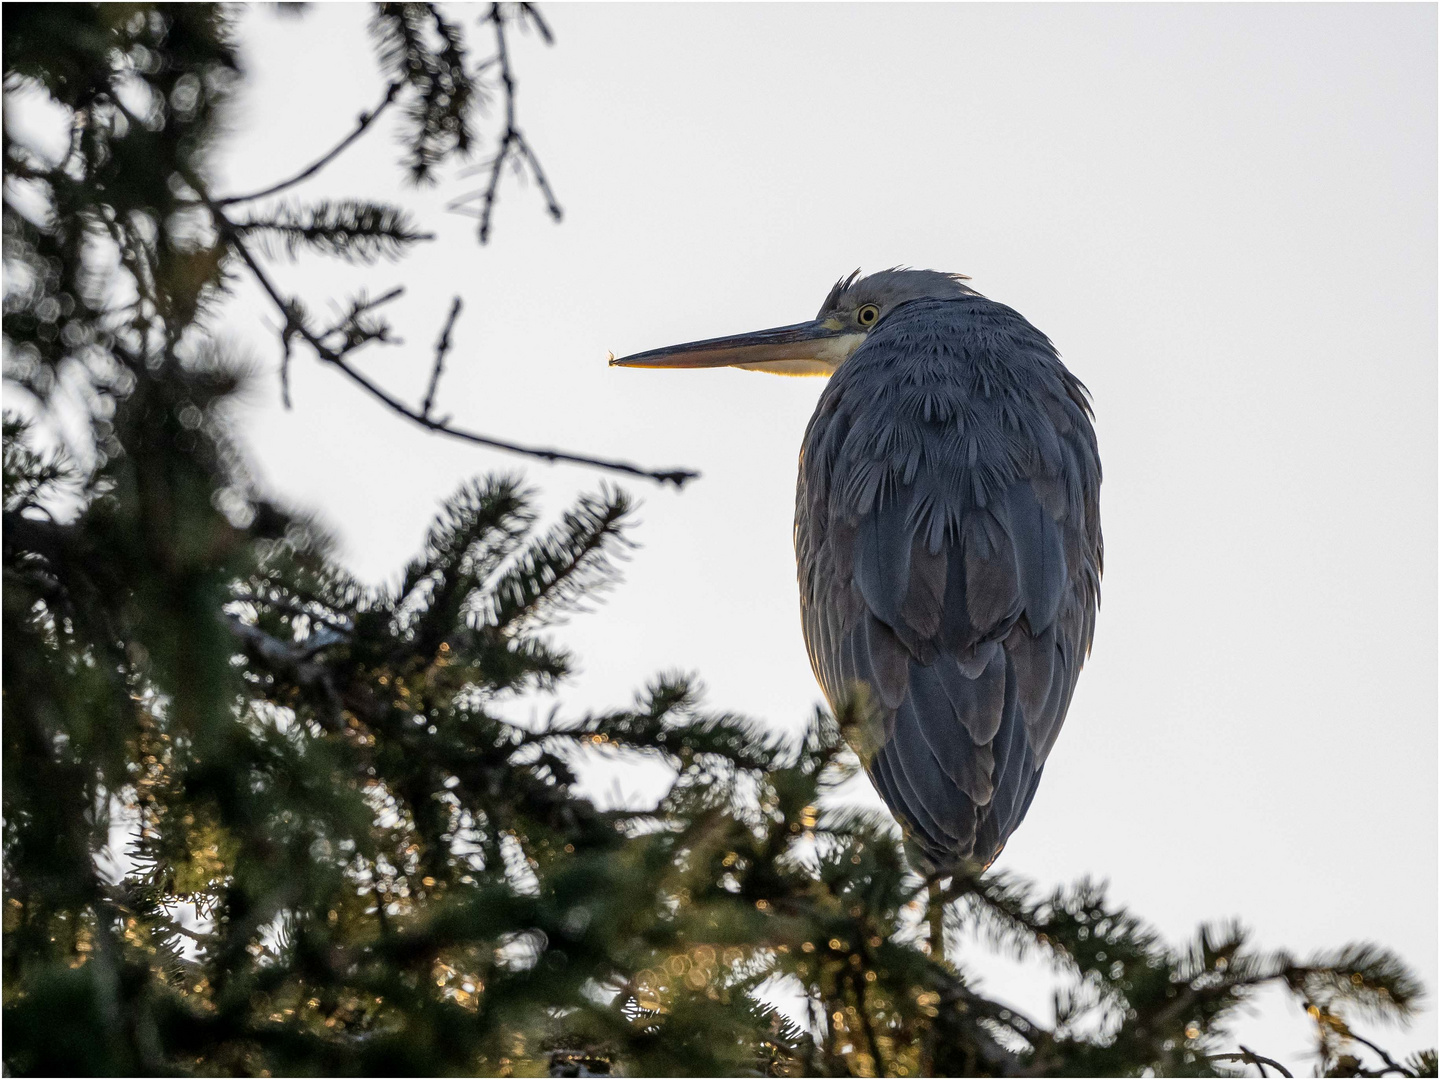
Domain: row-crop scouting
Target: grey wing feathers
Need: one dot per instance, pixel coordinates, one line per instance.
(948, 543)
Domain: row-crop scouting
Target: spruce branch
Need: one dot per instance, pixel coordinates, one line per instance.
(480, 527)
(293, 663)
(1364, 976)
(558, 571)
(444, 94)
(295, 608)
(349, 229)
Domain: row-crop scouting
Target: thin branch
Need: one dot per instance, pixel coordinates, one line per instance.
(513, 144)
(550, 202)
(1249, 1057)
(287, 336)
(293, 320)
(1390, 1064)
(282, 655)
(1258, 1064)
(358, 309)
(441, 348)
(166, 919)
(678, 477)
(863, 1009)
(507, 80)
(361, 126)
(532, 12)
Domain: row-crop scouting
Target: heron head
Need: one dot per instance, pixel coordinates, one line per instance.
(854, 308)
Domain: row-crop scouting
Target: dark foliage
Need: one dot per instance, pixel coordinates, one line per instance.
(261, 817)
(420, 47)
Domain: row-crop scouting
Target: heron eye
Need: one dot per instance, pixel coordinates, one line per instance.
(867, 315)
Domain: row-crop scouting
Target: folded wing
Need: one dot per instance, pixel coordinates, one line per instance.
(948, 544)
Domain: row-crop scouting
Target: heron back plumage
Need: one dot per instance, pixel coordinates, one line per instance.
(949, 551)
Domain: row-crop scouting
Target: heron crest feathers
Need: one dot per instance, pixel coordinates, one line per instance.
(890, 288)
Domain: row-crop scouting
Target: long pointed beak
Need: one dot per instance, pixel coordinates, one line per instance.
(809, 348)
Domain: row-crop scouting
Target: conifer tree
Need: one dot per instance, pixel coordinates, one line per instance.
(261, 817)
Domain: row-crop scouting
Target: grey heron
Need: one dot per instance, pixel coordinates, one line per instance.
(947, 540)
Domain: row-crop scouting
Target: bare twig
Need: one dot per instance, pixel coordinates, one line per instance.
(361, 126)
(287, 338)
(539, 174)
(360, 308)
(1249, 1057)
(678, 477)
(513, 144)
(531, 12)
(1390, 1064)
(507, 80)
(1259, 1064)
(441, 348)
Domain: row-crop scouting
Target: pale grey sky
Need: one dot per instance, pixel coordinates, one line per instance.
(1223, 215)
